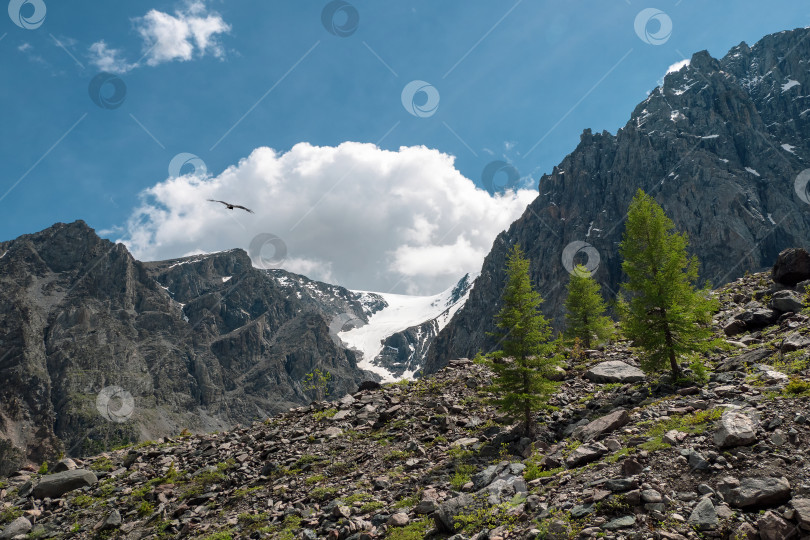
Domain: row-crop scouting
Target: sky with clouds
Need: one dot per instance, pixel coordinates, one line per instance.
(382, 145)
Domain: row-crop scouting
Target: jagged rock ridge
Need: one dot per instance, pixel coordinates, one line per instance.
(719, 145)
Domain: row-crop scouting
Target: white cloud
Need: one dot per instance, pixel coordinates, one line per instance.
(192, 32)
(180, 36)
(677, 66)
(107, 59)
(392, 221)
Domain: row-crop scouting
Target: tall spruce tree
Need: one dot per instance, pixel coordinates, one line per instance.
(660, 309)
(585, 310)
(527, 356)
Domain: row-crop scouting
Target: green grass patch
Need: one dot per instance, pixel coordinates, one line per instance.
(325, 414)
(415, 530)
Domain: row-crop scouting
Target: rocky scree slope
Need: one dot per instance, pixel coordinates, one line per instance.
(201, 343)
(719, 145)
(621, 455)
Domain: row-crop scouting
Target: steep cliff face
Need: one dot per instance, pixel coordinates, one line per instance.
(719, 145)
(97, 348)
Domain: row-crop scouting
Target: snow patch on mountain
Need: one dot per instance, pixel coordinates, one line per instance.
(401, 313)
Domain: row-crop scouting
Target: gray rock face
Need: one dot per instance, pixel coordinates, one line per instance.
(736, 429)
(706, 145)
(792, 266)
(704, 515)
(57, 484)
(794, 342)
(19, 526)
(202, 343)
(606, 424)
(755, 493)
(614, 371)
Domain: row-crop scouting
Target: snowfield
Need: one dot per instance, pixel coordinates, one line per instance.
(402, 312)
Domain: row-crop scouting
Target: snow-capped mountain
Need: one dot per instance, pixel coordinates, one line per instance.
(396, 338)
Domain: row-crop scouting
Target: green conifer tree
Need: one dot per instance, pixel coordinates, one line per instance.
(585, 310)
(661, 312)
(527, 355)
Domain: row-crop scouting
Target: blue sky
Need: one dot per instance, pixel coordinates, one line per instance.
(517, 81)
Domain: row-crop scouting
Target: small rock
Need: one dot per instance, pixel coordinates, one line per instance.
(56, 485)
(704, 516)
(620, 523)
(754, 493)
(614, 371)
(736, 429)
(772, 527)
(400, 519)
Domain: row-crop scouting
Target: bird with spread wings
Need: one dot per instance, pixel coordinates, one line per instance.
(232, 206)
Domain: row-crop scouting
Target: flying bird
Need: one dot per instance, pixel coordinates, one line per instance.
(232, 206)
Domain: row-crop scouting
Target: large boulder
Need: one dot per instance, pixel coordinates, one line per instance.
(614, 371)
(600, 426)
(794, 342)
(792, 266)
(787, 301)
(736, 429)
(56, 485)
(20, 526)
(754, 493)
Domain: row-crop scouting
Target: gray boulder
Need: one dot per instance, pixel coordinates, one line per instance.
(794, 342)
(614, 371)
(585, 454)
(736, 429)
(786, 301)
(704, 516)
(56, 485)
(801, 507)
(773, 527)
(600, 426)
(445, 516)
(754, 493)
(19, 526)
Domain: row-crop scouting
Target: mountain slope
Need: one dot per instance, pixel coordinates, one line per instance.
(90, 336)
(719, 146)
(635, 458)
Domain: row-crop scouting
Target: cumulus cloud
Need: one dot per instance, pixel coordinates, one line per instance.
(107, 59)
(189, 32)
(401, 221)
(192, 32)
